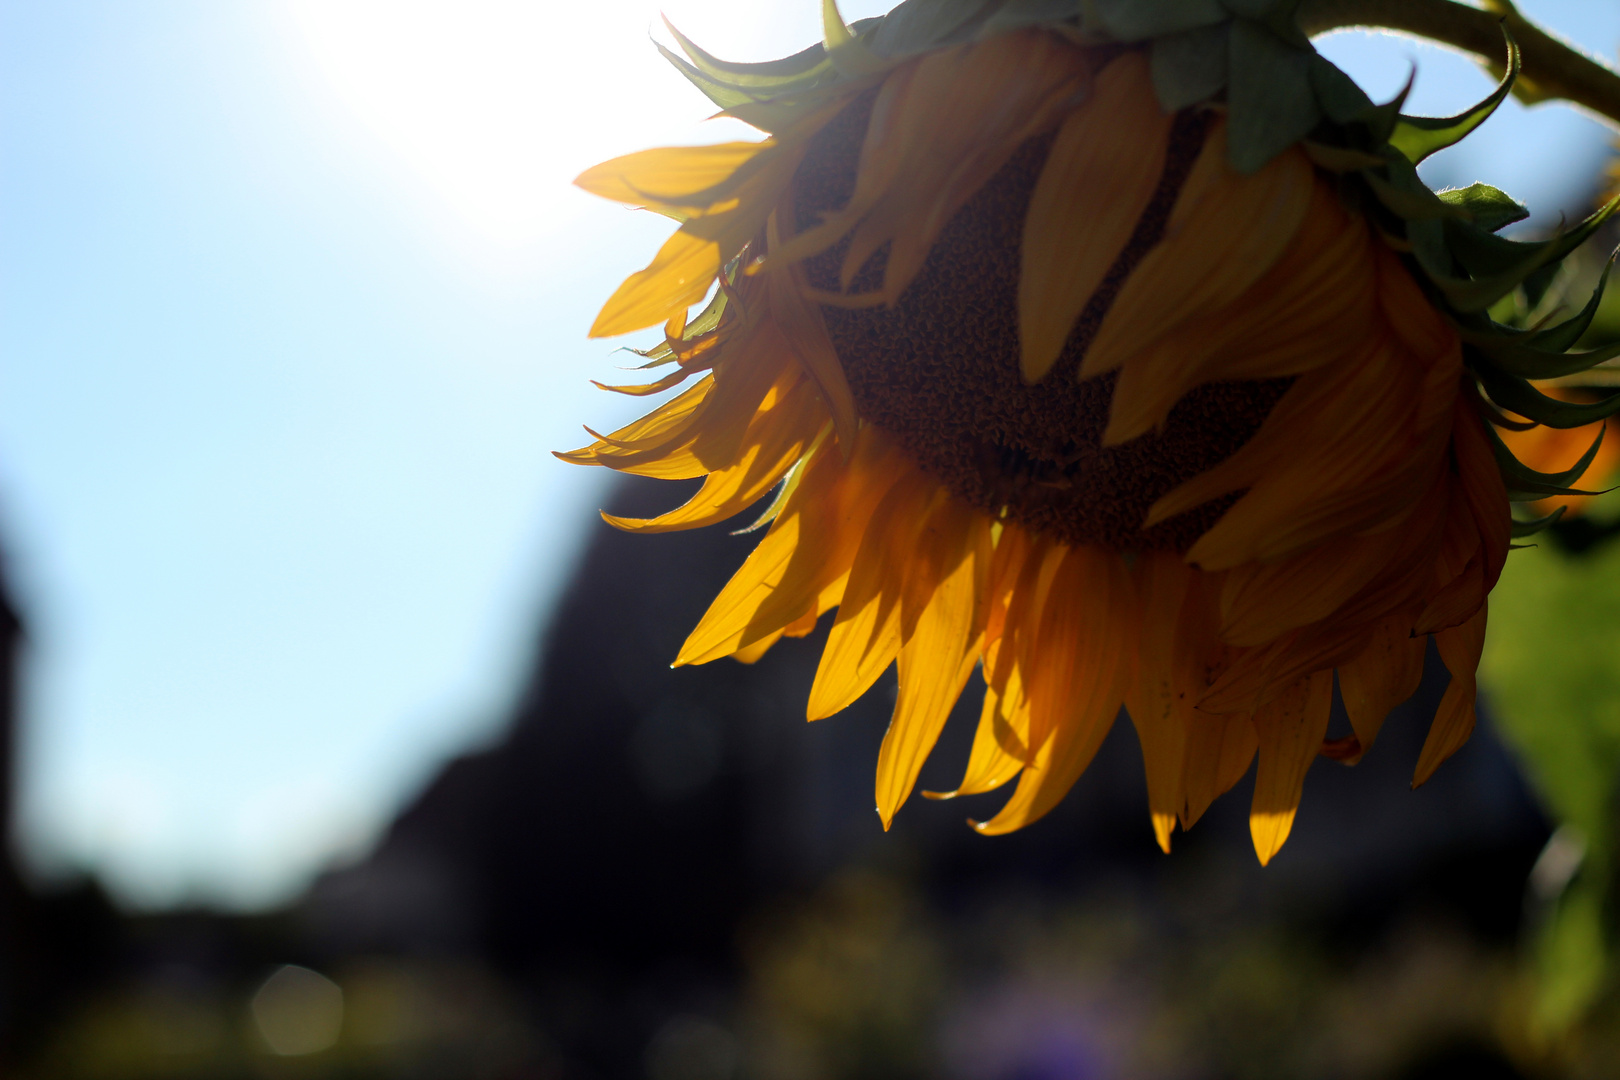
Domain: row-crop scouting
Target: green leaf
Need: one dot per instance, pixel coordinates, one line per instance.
(1491, 208)
(1517, 395)
(1571, 958)
(1189, 67)
(1138, 20)
(1419, 136)
(1269, 94)
(921, 24)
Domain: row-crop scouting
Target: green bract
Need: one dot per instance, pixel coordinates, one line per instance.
(1250, 58)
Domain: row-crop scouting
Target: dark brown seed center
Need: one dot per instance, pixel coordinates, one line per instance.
(938, 370)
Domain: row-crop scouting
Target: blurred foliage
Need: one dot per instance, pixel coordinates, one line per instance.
(1552, 670)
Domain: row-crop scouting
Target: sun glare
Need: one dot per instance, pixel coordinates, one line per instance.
(499, 104)
(486, 99)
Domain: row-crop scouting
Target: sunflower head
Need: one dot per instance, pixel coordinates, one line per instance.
(1113, 351)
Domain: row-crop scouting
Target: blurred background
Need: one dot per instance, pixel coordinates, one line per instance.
(340, 738)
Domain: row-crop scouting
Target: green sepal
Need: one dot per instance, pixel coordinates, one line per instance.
(851, 55)
(1525, 484)
(724, 96)
(1341, 99)
(1550, 344)
(1380, 120)
(917, 25)
(1017, 14)
(1529, 362)
(1516, 395)
(1279, 16)
(1428, 242)
(1410, 199)
(1470, 296)
(1269, 91)
(1419, 136)
(1138, 20)
(730, 85)
(1520, 530)
(1483, 253)
(1190, 66)
(1490, 208)
(1339, 159)
(771, 75)
(1535, 286)
(1567, 333)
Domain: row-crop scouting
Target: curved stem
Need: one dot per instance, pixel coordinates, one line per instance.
(1552, 69)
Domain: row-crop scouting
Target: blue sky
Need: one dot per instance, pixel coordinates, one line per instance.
(293, 299)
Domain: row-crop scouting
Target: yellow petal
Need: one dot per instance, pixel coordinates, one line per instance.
(1460, 648)
(688, 263)
(1386, 673)
(805, 554)
(1314, 307)
(806, 334)
(776, 440)
(1099, 176)
(1000, 747)
(678, 277)
(1219, 749)
(750, 653)
(865, 638)
(1079, 685)
(938, 655)
(1289, 731)
(1157, 700)
(1224, 233)
(671, 176)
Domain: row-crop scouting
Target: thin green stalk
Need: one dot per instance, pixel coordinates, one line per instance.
(1553, 69)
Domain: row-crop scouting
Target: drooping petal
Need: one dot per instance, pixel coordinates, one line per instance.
(1158, 697)
(686, 266)
(1310, 310)
(1289, 731)
(806, 553)
(1220, 747)
(1079, 685)
(1383, 675)
(776, 440)
(1224, 233)
(672, 178)
(1099, 176)
(1000, 743)
(1460, 648)
(947, 574)
(865, 638)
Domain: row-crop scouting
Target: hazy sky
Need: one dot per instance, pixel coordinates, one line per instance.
(293, 298)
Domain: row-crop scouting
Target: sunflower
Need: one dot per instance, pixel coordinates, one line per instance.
(1114, 351)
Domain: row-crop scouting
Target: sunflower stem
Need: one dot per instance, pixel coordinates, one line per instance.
(1553, 69)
